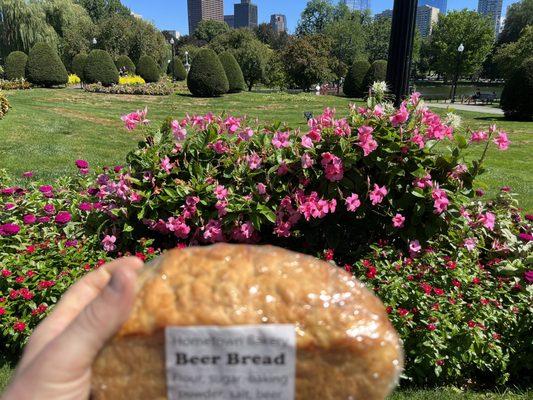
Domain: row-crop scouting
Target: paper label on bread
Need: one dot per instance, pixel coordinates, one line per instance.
(228, 363)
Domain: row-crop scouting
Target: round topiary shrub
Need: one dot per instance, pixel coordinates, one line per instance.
(177, 70)
(78, 65)
(233, 72)
(16, 65)
(376, 73)
(207, 77)
(100, 68)
(148, 69)
(44, 66)
(517, 99)
(355, 79)
(125, 63)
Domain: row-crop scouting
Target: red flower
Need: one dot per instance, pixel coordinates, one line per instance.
(2, 311)
(426, 288)
(389, 309)
(476, 281)
(14, 294)
(100, 262)
(471, 324)
(440, 362)
(20, 279)
(30, 273)
(45, 284)
(451, 265)
(403, 312)
(348, 268)
(484, 301)
(329, 254)
(6, 273)
(19, 326)
(150, 250)
(26, 293)
(410, 278)
(438, 291)
(30, 249)
(496, 336)
(140, 256)
(371, 274)
(431, 327)
(435, 307)
(456, 283)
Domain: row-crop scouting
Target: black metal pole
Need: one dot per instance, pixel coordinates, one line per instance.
(401, 48)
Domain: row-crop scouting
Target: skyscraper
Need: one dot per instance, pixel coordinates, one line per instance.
(230, 20)
(245, 14)
(492, 9)
(201, 10)
(279, 22)
(426, 17)
(442, 5)
(358, 5)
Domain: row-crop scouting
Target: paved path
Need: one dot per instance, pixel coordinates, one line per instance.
(467, 107)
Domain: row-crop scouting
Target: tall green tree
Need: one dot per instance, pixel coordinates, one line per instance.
(101, 9)
(346, 34)
(511, 55)
(465, 27)
(377, 38)
(210, 29)
(316, 15)
(252, 59)
(519, 16)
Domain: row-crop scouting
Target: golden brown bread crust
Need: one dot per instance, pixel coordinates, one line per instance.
(346, 346)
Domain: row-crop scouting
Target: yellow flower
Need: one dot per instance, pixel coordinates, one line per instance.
(131, 80)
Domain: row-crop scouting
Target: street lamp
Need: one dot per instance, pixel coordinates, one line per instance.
(95, 41)
(171, 41)
(460, 50)
(187, 65)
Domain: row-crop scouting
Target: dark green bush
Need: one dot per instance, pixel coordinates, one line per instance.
(78, 64)
(177, 70)
(233, 72)
(44, 67)
(126, 63)
(207, 77)
(16, 65)
(148, 69)
(376, 73)
(100, 68)
(355, 79)
(517, 95)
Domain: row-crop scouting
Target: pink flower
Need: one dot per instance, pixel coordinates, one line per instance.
(63, 217)
(221, 192)
(133, 119)
(219, 147)
(488, 220)
(254, 161)
(366, 140)
(353, 202)
(398, 221)
(232, 124)
(28, 174)
(245, 233)
(307, 161)
(179, 132)
(401, 116)
(502, 141)
(418, 139)
(378, 194)
(179, 227)
(479, 136)
(108, 243)
(307, 142)
(49, 209)
(470, 244)
(261, 188)
(82, 164)
(333, 167)
(29, 219)
(414, 246)
(246, 134)
(280, 140)
(213, 231)
(166, 165)
(415, 98)
(441, 201)
(283, 169)
(221, 208)
(85, 207)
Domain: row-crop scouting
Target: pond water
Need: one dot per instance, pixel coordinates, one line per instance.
(466, 90)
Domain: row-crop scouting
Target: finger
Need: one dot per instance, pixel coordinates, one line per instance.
(72, 303)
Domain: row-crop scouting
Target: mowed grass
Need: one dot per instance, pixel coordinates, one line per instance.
(47, 129)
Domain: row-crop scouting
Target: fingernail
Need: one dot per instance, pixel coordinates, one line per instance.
(116, 283)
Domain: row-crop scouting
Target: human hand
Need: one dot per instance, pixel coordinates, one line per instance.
(56, 364)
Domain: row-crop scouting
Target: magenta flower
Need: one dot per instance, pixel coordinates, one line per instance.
(333, 167)
(108, 243)
(414, 246)
(28, 174)
(441, 201)
(502, 141)
(307, 142)
(29, 219)
(219, 147)
(378, 194)
(261, 188)
(43, 220)
(401, 116)
(488, 220)
(366, 140)
(85, 206)
(63, 217)
(179, 227)
(82, 164)
(398, 221)
(418, 139)
(49, 209)
(9, 206)
(281, 140)
(133, 119)
(353, 202)
(479, 136)
(254, 161)
(221, 192)
(213, 231)
(246, 134)
(283, 169)
(166, 165)
(526, 237)
(9, 229)
(307, 161)
(528, 275)
(470, 244)
(46, 189)
(180, 133)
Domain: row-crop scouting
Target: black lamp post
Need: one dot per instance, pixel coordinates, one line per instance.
(401, 48)
(171, 41)
(460, 50)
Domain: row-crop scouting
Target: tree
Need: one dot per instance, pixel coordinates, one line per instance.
(519, 16)
(376, 38)
(100, 67)
(44, 66)
(232, 40)
(252, 59)
(275, 76)
(148, 69)
(516, 101)
(207, 30)
(347, 38)
(307, 60)
(316, 15)
(101, 9)
(16, 65)
(233, 72)
(207, 77)
(465, 27)
(511, 55)
(267, 35)
(354, 82)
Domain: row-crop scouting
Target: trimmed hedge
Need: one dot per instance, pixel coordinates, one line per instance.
(207, 77)
(45, 68)
(100, 68)
(517, 98)
(16, 65)
(177, 70)
(376, 73)
(233, 72)
(148, 69)
(78, 64)
(125, 62)
(355, 79)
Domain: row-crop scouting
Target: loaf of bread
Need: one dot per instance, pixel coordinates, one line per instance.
(346, 348)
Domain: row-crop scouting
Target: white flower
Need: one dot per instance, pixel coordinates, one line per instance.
(379, 88)
(453, 120)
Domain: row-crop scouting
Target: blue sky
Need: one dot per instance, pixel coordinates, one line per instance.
(172, 14)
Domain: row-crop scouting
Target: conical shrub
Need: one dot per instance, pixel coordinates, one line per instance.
(207, 77)
(376, 73)
(233, 72)
(126, 63)
(78, 65)
(517, 99)
(355, 79)
(16, 65)
(148, 69)
(44, 67)
(177, 70)
(100, 68)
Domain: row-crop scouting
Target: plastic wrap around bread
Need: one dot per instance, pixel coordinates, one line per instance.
(346, 348)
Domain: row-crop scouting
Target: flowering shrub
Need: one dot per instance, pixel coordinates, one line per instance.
(17, 84)
(4, 105)
(161, 88)
(131, 80)
(74, 79)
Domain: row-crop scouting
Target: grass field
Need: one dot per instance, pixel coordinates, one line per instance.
(48, 129)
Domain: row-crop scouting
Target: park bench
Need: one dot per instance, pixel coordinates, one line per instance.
(483, 98)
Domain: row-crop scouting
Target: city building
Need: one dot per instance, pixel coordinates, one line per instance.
(230, 20)
(279, 22)
(384, 14)
(171, 34)
(245, 14)
(442, 5)
(201, 10)
(426, 17)
(492, 9)
(357, 5)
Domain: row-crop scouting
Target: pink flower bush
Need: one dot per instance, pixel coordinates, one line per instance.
(378, 194)
(333, 167)
(281, 140)
(502, 141)
(132, 120)
(366, 140)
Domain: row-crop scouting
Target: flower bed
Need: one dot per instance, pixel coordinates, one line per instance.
(162, 88)
(131, 80)
(17, 84)
(4, 105)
